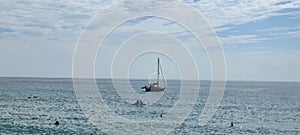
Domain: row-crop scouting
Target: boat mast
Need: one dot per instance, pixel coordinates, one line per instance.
(157, 71)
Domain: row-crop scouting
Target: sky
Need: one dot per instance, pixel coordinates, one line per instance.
(260, 39)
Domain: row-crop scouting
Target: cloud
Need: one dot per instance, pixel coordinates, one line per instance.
(242, 39)
(50, 18)
(58, 18)
(281, 32)
(257, 52)
(236, 12)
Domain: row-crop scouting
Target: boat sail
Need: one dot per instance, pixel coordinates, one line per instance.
(154, 87)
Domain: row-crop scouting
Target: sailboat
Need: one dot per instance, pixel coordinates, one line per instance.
(154, 87)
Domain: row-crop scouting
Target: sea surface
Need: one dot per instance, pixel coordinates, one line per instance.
(253, 107)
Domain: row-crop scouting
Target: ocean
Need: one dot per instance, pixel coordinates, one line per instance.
(253, 107)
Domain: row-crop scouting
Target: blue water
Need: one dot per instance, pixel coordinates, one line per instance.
(254, 107)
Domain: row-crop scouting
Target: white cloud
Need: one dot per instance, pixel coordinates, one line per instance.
(54, 19)
(234, 12)
(242, 39)
(65, 19)
(58, 15)
(282, 32)
(257, 52)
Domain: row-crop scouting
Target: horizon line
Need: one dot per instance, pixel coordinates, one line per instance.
(175, 79)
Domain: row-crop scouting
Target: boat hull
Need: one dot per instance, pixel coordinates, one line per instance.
(154, 89)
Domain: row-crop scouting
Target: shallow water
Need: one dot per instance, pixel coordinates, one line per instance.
(254, 107)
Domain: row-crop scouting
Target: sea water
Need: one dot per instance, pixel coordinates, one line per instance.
(253, 107)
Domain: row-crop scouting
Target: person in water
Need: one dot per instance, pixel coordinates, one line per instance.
(141, 102)
(56, 123)
(231, 124)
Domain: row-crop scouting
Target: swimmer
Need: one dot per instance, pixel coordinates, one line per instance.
(56, 123)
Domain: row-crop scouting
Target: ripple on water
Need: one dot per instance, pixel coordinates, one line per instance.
(253, 107)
